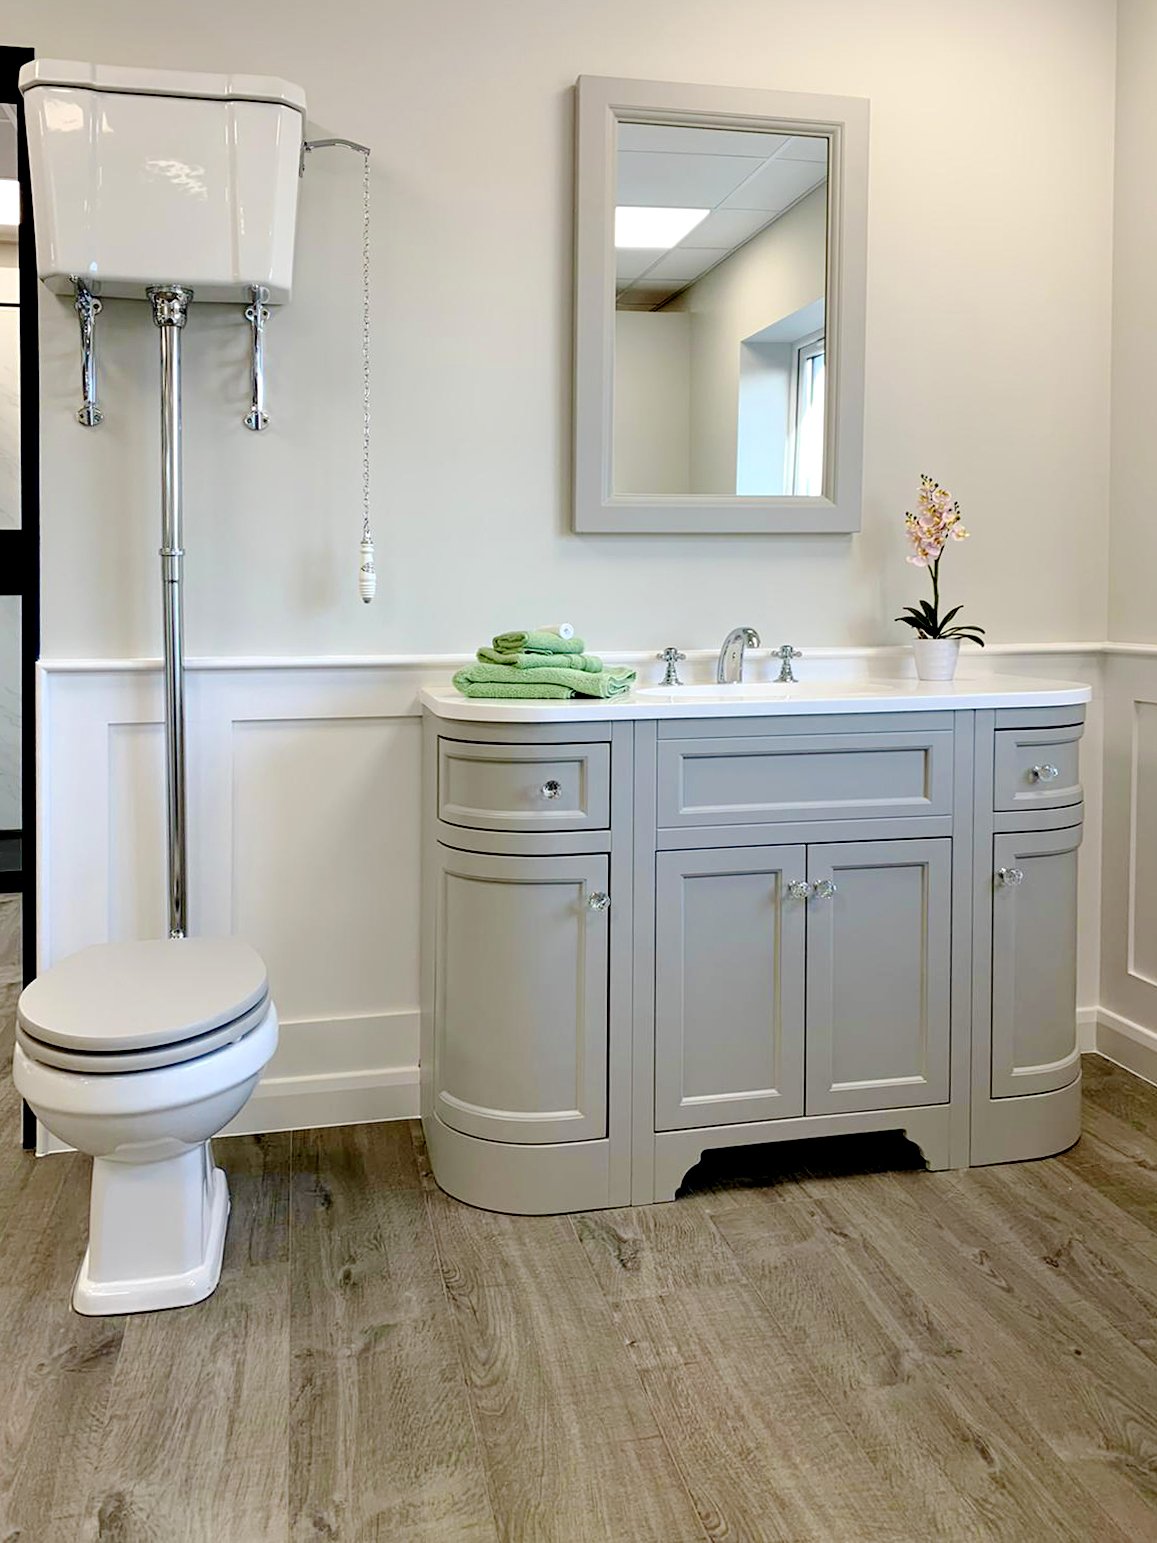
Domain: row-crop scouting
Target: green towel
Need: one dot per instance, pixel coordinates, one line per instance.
(524, 689)
(537, 643)
(529, 661)
(608, 683)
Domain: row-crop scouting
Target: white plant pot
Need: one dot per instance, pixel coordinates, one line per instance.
(936, 658)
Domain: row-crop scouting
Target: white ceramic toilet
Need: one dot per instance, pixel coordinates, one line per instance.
(138, 1054)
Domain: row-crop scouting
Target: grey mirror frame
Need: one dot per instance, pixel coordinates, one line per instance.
(602, 102)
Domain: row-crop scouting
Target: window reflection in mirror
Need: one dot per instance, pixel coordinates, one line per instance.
(720, 278)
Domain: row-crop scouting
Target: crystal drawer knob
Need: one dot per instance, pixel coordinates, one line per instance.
(551, 789)
(824, 889)
(598, 901)
(1010, 876)
(1045, 773)
(799, 889)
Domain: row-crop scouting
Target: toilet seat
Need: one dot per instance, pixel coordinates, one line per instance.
(121, 1007)
(111, 1062)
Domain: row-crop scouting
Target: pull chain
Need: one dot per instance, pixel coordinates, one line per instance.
(367, 574)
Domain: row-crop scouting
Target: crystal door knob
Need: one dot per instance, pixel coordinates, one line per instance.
(823, 889)
(598, 901)
(799, 889)
(1045, 773)
(1010, 876)
(551, 789)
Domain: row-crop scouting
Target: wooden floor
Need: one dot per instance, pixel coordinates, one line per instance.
(818, 1343)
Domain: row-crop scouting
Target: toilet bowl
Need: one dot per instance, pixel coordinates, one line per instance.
(138, 1054)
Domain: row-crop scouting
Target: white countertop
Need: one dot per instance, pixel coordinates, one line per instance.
(768, 700)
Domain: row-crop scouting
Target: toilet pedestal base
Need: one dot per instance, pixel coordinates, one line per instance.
(156, 1234)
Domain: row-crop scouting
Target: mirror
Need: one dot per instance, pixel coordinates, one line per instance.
(719, 309)
(720, 273)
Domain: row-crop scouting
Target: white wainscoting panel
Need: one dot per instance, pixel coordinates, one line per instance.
(1127, 1026)
(304, 816)
(303, 838)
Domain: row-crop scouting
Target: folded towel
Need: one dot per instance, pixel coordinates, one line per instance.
(529, 661)
(541, 642)
(523, 689)
(607, 683)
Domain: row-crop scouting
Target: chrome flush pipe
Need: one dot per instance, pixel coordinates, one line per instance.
(170, 309)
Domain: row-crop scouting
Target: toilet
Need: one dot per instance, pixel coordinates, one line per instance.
(138, 1054)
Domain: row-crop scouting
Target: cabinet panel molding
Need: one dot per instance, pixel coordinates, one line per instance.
(729, 969)
(520, 996)
(1034, 962)
(879, 974)
(804, 777)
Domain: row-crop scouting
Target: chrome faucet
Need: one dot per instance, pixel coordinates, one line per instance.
(729, 670)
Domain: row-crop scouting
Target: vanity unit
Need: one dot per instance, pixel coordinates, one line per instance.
(711, 916)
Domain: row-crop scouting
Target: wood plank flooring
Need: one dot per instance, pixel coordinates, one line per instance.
(816, 1342)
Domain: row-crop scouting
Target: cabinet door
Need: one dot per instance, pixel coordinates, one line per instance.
(520, 996)
(729, 944)
(1034, 961)
(878, 974)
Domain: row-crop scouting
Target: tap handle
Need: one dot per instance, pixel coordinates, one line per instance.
(786, 651)
(671, 658)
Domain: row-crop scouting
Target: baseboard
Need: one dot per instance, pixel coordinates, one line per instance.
(1128, 1044)
(355, 1070)
(337, 1071)
(349, 1098)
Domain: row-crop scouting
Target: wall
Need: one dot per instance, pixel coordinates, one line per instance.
(1127, 1029)
(988, 365)
(975, 260)
(777, 273)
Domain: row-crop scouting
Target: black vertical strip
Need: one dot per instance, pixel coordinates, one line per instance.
(11, 60)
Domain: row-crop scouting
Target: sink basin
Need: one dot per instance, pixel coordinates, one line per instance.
(772, 691)
(746, 691)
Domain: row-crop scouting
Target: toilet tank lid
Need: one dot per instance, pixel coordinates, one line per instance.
(134, 996)
(138, 82)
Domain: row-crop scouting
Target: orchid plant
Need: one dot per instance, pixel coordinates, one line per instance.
(935, 523)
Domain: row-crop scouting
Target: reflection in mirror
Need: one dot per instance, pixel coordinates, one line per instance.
(721, 259)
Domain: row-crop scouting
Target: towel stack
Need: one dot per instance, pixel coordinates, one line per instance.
(540, 666)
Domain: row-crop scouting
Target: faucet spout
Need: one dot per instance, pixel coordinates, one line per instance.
(729, 670)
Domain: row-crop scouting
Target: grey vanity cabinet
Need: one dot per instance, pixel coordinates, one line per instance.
(729, 985)
(520, 995)
(879, 944)
(644, 939)
(1034, 961)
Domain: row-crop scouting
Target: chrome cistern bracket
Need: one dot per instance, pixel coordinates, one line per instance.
(88, 308)
(257, 314)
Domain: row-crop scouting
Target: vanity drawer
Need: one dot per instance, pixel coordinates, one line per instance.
(524, 787)
(1037, 768)
(782, 777)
